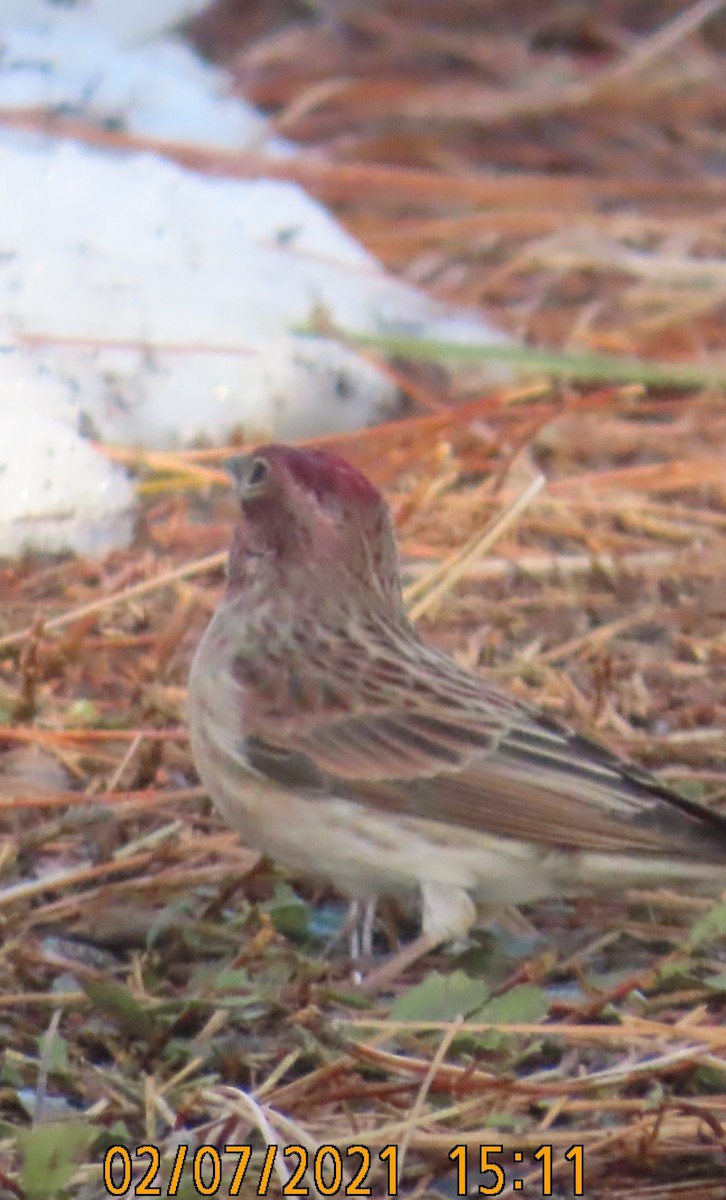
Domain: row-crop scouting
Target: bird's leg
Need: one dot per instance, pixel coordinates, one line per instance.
(353, 923)
(360, 924)
(395, 964)
(366, 928)
(448, 913)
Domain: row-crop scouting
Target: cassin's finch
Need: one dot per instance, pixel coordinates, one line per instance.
(335, 741)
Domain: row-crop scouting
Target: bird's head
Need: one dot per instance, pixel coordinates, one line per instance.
(309, 512)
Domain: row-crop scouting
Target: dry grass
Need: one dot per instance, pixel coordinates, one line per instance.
(158, 984)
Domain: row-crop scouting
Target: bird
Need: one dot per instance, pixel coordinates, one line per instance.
(348, 750)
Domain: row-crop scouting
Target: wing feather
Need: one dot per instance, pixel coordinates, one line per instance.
(436, 742)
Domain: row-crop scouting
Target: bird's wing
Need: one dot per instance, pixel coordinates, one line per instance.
(427, 739)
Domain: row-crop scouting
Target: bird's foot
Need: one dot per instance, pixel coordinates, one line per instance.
(393, 966)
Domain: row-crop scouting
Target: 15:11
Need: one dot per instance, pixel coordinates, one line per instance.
(495, 1185)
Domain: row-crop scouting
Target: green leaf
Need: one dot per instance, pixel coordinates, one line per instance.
(538, 361)
(710, 927)
(692, 789)
(708, 1078)
(118, 1004)
(506, 1120)
(289, 914)
(233, 979)
(440, 998)
(232, 988)
(525, 1003)
(113, 1134)
(83, 712)
(58, 1056)
(49, 1153)
(676, 971)
(11, 1072)
(717, 982)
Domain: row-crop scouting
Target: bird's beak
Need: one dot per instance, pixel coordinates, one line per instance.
(236, 468)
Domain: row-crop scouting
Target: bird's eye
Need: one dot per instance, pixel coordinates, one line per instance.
(258, 472)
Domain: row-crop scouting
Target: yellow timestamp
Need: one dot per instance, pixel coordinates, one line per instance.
(494, 1178)
(326, 1171)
